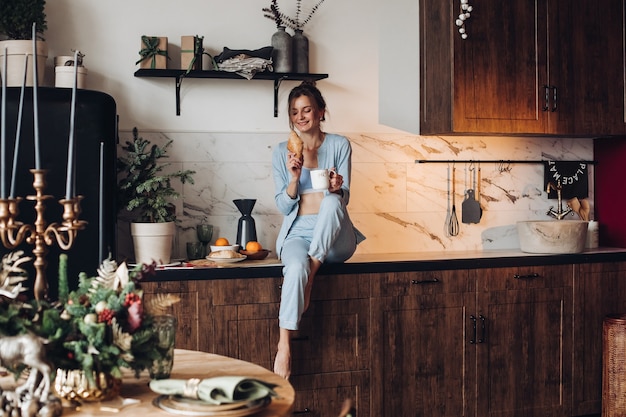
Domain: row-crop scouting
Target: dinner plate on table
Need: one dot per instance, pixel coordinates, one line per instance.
(189, 407)
(176, 263)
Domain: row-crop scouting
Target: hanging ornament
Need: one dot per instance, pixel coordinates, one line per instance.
(464, 14)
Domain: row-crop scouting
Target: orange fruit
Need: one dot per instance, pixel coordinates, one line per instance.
(253, 246)
(222, 241)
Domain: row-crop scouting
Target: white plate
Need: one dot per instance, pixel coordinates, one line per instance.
(160, 266)
(227, 260)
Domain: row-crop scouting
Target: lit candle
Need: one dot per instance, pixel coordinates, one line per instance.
(70, 147)
(101, 204)
(35, 101)
(18, 129)
(3, 120)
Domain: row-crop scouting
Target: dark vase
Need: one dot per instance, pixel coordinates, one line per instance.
(282, 57)
(300, 52)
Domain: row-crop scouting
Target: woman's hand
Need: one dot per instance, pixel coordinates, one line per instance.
(336, 181)
(294, 165)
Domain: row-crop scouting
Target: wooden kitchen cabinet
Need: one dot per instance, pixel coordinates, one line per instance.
(194, 303)
(599, 290)
(546, 67)
(483, 342)
(596, 38)
(330, 351)
(422, 359)
(524, 360)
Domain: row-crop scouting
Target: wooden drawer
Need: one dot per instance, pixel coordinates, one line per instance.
(246, 291)
(399, 284)
(523, 278)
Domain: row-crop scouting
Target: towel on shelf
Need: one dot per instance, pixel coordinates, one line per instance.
(217, 390)
(244, 65)
(573, 176)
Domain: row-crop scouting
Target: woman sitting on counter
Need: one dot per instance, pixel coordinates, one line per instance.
(316, 227)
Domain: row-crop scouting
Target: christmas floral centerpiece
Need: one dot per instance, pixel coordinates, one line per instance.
(97, 329)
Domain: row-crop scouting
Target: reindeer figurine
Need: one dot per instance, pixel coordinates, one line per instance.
(29, 350)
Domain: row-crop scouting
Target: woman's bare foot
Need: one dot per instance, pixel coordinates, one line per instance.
(314, 267)
(282, 362)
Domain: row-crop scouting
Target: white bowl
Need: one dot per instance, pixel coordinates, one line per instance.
(234, 248)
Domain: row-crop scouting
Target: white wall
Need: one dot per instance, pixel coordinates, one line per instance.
(343, 41)
(227, 131)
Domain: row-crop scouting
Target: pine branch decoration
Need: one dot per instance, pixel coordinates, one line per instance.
(12, 274)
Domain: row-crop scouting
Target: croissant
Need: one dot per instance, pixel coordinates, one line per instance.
(295, 144)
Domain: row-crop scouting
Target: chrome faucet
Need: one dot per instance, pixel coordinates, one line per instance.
(560, 213)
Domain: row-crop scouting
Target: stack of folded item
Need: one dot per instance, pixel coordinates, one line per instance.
(212, 395)
(245, 62)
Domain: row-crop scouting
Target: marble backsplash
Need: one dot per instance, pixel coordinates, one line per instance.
(400, 205)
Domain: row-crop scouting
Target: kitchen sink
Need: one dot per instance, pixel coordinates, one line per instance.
(552, 236)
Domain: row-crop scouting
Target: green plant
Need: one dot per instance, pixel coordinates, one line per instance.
(143, 186)
(103, 325)
(17, 18)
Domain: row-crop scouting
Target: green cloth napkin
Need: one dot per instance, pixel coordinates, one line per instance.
(218, 390)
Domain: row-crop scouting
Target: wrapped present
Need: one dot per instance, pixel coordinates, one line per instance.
(191, 52)
(153, 52)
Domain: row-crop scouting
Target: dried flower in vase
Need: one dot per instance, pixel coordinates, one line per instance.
(296, 23)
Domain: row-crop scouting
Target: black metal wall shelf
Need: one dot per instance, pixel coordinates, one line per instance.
(180, 75)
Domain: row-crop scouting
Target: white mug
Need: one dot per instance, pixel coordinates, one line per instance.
(320, 179)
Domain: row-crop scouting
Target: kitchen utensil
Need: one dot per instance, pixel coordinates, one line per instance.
(471, 211)
(585, 209)
(446, 226)
(574, 204)
(453, 225)
(246, 228)
(478, 192)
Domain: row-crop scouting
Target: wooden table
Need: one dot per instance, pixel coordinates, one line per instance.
(192, 364)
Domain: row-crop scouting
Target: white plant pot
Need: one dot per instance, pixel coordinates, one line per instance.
(153, 242)
(16, 52)
(64, 77)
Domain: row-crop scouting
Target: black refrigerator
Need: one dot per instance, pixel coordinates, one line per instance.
(95, 137)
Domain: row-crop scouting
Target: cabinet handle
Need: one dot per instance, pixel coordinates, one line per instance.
(482, 328)
(554, 95)
(529, 276)
(473, 339)
(546, 89)
(300, 339)
(424, 281)
(305, 411)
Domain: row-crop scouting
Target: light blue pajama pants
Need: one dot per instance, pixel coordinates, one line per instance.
(328, 236)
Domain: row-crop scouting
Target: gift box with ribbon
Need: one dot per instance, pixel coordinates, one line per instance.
(191, 51)
(153, 52)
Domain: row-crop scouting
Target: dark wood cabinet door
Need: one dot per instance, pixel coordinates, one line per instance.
(422, 359)
(599, 290)
(245, 319)
(523, 358)
(596, 37)
(501, 68)
(187, 311)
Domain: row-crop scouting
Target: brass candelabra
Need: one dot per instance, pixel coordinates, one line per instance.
(40, 234)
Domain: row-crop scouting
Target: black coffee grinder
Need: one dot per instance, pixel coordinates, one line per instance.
(246, 229)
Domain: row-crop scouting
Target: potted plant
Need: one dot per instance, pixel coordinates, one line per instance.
(145, 189)
(16, 28)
